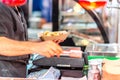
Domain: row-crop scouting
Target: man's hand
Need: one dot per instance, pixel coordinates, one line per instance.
(9, 47)
(47, 48)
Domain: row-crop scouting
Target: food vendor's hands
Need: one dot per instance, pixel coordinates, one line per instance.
(48, 49)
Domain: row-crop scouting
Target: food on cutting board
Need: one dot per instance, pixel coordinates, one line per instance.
(56, 35)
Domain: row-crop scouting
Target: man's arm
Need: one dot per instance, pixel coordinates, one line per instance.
(9, 47)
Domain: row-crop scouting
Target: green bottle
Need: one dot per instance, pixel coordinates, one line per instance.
(85, 70)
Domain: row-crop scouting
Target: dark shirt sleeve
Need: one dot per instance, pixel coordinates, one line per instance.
(5, 21)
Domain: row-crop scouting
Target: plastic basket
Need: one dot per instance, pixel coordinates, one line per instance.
(103, 51)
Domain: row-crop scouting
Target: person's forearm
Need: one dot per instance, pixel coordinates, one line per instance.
(14, 48)
(9, 47)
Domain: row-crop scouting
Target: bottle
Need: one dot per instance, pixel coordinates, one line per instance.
(85, 70)
(94, 72)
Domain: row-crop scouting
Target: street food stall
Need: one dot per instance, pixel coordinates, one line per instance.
(100, 50)
(90, 31)
(88, 51)
(85, 26)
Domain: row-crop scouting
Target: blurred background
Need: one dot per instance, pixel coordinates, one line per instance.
(101, 25)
